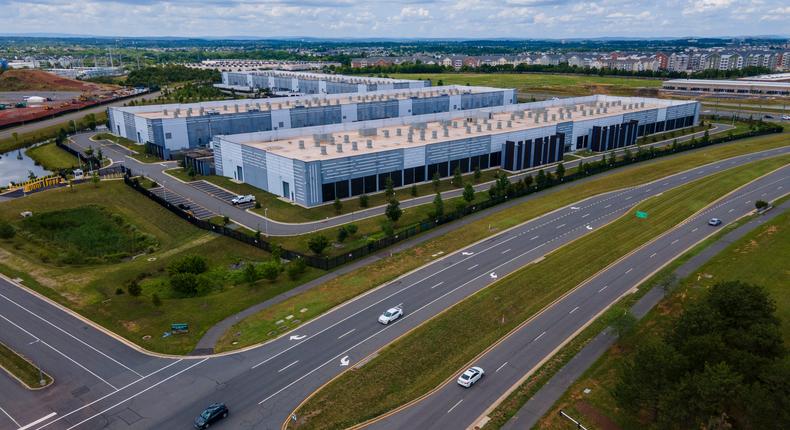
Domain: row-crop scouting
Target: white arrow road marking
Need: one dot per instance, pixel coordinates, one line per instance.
(298, 337)
(588, 227)
(493, 275)
(574, 208)
(467, 253)
(344, 361)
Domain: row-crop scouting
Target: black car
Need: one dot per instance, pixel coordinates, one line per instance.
(210, 415)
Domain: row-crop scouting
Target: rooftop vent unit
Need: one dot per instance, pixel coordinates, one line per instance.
(386, 133)
(398, 132)
(354, 146)
(323, 150)
(301, 144)
(339, 147)
(369, 143)
(509, 124)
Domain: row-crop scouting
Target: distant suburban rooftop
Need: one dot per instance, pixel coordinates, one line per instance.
(223, 107)
(322, 143)
(726, 83)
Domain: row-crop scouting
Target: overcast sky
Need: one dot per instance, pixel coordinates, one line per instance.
(398, 18)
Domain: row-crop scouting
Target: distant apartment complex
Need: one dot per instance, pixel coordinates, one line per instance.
(304, 83)
(314, 165)
(686, 62)
(173, 128)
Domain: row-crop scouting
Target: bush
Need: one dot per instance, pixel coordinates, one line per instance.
(761, 204)
(295, 268)
(270, 270)
(118, 291)
(318, 244)
(7, 231)
(250, 273)
(342, 234)
(363, 200)
(388, 228)
(184, 284)
(351, 229)
(193, 264)
(156, 300)
(134, 288)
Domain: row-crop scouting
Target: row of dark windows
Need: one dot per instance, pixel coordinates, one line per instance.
(613, 136)
(530, 153)
(412, 175)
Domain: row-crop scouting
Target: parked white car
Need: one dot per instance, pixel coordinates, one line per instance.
(786, 117)
(391, 315)
(249, 198)
(472, 375)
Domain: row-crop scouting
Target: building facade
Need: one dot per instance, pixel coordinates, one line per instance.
(313, 166)
(305, 83)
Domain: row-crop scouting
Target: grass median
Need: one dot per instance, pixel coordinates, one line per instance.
(51, 157)
(22, 369)
(759, 258)
(257, 328)
(436, 350)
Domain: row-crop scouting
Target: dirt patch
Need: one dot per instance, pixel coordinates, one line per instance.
(594, 416)
(130, 326)
(39, 80)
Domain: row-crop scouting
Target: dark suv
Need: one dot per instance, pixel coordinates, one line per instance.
(210, 415)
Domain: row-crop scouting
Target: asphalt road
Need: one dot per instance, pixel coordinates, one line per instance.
(35, 125)
(254, 221)
(452, 406)
(128, 389)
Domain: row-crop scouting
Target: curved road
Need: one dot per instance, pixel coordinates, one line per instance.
(254, 221)
(104, 383)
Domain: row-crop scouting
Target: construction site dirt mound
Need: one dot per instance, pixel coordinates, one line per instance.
(39, 80)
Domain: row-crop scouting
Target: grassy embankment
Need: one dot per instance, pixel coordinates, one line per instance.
(436, 350)
(258, 327)
(81, 260)
(51, 157)
(544, 83)
(22, 369)
(44, 133)
(757, 258)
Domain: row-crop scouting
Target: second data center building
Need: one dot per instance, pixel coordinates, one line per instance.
(306, 83)
(315, 165)
(173, 128)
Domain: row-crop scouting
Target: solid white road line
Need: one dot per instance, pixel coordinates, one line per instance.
(38, 421)
(9, 416)
(440, 283)
(539, 336)
(137, 394)
(287, 366)
(574, 310)
(109, 394)
(72, 336)
(347, 333)
(454, 406)
(58, 351)
(500, 367)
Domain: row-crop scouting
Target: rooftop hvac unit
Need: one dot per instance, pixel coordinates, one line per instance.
(323, 150)
(354, 146)
(398, 132)
(369, 143)
(339, 147)
(386, 133)
(301, 144)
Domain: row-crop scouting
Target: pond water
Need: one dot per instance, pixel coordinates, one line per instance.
(15, 170)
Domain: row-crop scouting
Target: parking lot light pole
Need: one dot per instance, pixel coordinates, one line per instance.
(266, 217)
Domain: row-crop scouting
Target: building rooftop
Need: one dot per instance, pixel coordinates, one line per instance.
(324, 143)
(264, 104)
(350, 79)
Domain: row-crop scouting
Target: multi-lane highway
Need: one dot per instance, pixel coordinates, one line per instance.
(103, 383)
(452, 406)
(209, 202)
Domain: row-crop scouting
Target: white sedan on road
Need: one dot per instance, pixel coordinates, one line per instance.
(391, 315)
(472, 375)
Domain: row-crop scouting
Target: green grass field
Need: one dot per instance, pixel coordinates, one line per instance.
(16, 365)
(256, 328)
(52, 158)
(90, 289)
(42, 134)
(758, 258)
(435, 351)
(544, 83)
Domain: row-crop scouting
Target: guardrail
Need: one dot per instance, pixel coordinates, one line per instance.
(496, 197)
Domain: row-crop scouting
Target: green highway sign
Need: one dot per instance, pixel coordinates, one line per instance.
(641, 214)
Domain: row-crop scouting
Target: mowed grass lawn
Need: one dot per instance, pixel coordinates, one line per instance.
(759, 258)
(255, 328)
(51, 157)
(560, 84)
(90, 287)
(431, 353)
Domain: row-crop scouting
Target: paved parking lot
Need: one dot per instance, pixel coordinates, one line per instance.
(176, 199)
(220, 193)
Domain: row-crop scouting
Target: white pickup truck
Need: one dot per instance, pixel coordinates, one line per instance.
(249, 198)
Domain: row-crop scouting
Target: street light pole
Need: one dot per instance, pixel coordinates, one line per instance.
(266, 217)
